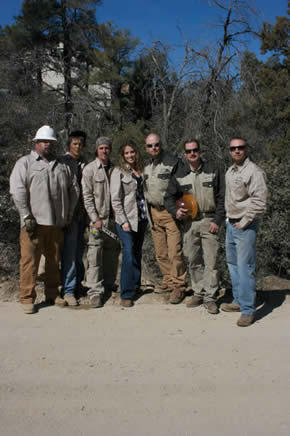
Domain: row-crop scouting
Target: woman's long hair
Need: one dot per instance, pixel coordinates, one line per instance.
(139, 166)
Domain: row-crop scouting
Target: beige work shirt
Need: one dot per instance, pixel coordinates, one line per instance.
(46, 190)
(246, 192)
(96, 191)
(157, 174)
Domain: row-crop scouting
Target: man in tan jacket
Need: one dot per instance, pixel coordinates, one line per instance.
(103, 251)
(165, 233)
(45, 193)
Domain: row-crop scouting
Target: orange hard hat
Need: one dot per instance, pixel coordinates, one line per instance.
(188, 201)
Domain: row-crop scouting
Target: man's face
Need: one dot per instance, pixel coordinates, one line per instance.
(44, 148)
(76, 147)
(103, 153)
(153, 145)
(238, 151)
(192, 153)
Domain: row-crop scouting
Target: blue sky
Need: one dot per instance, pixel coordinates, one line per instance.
(151, 20)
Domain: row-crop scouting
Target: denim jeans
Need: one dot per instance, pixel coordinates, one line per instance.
(131, 259)
(72, 267)
(241, 260)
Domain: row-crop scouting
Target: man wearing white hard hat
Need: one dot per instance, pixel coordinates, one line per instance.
(45, 193)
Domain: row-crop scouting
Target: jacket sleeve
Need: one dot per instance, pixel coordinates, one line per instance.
(257, 198)
(173, 193)
(117, 197)
(19, 188)
(88, 194)
(219, 194)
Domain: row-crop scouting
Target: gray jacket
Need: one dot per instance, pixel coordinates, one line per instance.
(46, 190)
(123, 197)
(96, 191)
(246, 192)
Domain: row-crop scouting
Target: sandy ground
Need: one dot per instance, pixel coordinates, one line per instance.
(154, 369)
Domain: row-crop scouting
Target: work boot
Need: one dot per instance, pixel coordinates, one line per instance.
(70, 300)
(28, 308)
(245, 320)
(211, 307)
(176, 296)
(126, 302)
(96, 301)
(162, 289)
(58, 301)
(230, 307)
(194, 301)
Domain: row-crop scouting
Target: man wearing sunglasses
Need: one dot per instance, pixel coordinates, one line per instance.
(165, 233)
(200, 235)
(246, 194)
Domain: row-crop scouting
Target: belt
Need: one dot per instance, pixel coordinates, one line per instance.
(201, 215)
(159, 208)
(234, 220)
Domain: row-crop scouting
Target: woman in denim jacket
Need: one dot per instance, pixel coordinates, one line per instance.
(128, 202)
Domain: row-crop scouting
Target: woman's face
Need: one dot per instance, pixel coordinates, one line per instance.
(129, 155)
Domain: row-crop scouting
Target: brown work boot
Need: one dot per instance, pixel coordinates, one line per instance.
(230, 307)
(162, 289)
(70, 300)
(126, 302)
(245, 320)
(211, 307)
(176, 296)
(28, 308)
(194, 301)
(96, 301)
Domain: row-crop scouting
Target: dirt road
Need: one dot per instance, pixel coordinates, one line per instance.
(150, 370)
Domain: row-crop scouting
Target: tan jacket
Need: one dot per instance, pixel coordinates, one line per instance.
(96, 191)
(157, 174)
(47, 190)
(246, 192)
(123, 197)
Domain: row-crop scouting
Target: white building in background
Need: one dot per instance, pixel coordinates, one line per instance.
(54, 80)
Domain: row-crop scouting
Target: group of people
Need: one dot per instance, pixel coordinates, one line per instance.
(61, 199)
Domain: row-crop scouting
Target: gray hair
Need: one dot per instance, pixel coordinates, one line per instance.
(103, 140)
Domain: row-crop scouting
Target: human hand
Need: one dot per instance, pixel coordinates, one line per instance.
(181, 213)
(126, 227)
(30, 224)
(213, 227)
(98, 224)
(238, 226)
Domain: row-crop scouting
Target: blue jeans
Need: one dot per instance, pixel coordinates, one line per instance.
(131, 259)
(241, 260)
(72, 267)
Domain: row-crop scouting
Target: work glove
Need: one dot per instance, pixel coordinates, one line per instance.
(30, 224)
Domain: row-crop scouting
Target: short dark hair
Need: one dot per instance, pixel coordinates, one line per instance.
(191, 140)
(77, 134)
(241, 139)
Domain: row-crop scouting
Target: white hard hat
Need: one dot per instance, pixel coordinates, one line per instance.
(45, 133)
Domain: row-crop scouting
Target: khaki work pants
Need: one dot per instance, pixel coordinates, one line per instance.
(103, 258)
(46, 240)
(168, 249)
(200, 247)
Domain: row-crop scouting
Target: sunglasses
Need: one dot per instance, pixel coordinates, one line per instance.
(238, 147)
(157, 144)
(191, 150)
